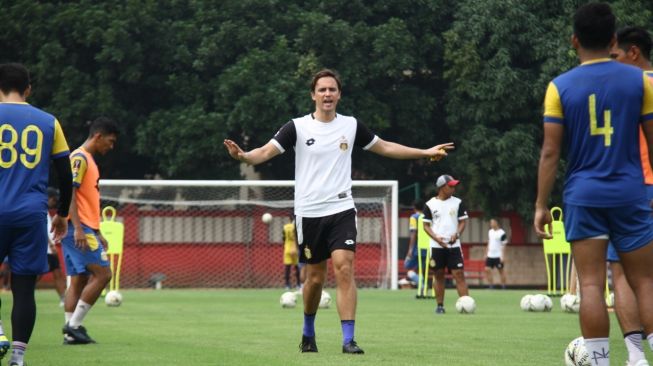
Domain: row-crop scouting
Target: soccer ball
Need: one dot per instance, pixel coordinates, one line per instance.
(525, 303)
(266, 218)
(540, 302)
(325, 300)
(576, 353)
(570, 303)
(465, 305)
(288, 300)
(113, 298)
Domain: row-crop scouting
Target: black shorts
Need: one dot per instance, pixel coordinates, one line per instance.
(451, 258)
(53, 262)
(493, 262)
(319, 236)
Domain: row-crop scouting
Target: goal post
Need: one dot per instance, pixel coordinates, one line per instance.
(204, 233)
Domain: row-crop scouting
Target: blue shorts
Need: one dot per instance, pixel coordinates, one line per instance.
(26, 246)
(411, 263)
(612, 255)
(77, 259)
(628, 227)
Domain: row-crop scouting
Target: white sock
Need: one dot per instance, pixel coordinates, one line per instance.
(633, 342)
(81, 310)
(67, 315)
(599, 351)
(2, 330)
(17, 352)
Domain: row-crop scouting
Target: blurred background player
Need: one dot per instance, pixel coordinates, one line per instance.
(495, 254)
(410, 263)
(290, 253)
(445, 218)
(633, 47)
(84, 247)
(30, 139)
(53, 255)
(325, 214)
(597, 109)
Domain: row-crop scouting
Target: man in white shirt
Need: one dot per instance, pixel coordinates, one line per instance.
(445, 218)
(325, 215)
(495, 253)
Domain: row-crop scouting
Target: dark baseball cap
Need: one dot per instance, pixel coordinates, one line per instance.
(446, 179)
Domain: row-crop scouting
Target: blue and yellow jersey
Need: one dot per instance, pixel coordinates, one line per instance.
(412, 221)
(29, 139)
(601, 103)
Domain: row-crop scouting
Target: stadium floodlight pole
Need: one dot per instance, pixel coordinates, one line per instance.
(393, 234)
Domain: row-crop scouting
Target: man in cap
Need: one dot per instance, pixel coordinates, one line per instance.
(445, 217)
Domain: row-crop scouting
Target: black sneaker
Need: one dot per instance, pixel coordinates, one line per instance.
(76, 335)
(352, 348)
(308, 344)
(439, 310)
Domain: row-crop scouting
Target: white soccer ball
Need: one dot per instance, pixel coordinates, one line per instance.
(288, 300)
(538, 303)
(266, 218)
(113, 298)
(525, 303)
(325, 300)
(465, 305)
(548, 303)
(576, 353)
(570, 303)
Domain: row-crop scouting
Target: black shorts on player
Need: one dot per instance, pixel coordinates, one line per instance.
(319, 236)
(53, 262)
(451, 258)
(493, 263)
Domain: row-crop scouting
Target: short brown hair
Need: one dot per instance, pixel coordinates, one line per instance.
(323, 74)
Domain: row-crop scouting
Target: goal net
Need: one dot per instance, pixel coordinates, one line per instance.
(204, 234)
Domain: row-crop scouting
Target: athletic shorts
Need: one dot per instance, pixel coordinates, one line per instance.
(53, 262)
(319, 236)
(628, 227)
(412, 263)
(612, 255)
(26, 246)
(451, 258)
(77, 259)
(493, 262)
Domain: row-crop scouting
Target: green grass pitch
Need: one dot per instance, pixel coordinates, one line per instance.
(248, 327)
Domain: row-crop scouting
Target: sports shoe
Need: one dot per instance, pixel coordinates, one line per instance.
(352, 348)
(4, 346)
(439, 310)
(638, 363)
(308, 344)
(17, 364)
(76, 335)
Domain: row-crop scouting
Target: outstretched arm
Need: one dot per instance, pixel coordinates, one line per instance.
(253, 157)
(398, 151)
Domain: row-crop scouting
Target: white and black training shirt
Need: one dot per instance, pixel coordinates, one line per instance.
(496, 240)
(323, 161)
(443, 217)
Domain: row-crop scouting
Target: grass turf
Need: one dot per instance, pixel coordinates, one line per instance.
(248, 327)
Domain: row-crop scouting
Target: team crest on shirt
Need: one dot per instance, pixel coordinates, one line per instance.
(344, 145)
(307, 253)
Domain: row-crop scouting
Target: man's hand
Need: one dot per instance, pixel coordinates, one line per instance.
(80, 238)
(542, 221)
(234, 150)
(438, 152)
(59, 227)
(103, 241)
(441, 241)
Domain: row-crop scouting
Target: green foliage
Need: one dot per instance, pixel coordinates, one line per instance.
(182, 75)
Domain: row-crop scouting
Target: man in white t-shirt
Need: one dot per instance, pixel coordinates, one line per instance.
(495, 253)
(325, 215)
(445, 218)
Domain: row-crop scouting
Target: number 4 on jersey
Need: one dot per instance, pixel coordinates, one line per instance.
(595, 130)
